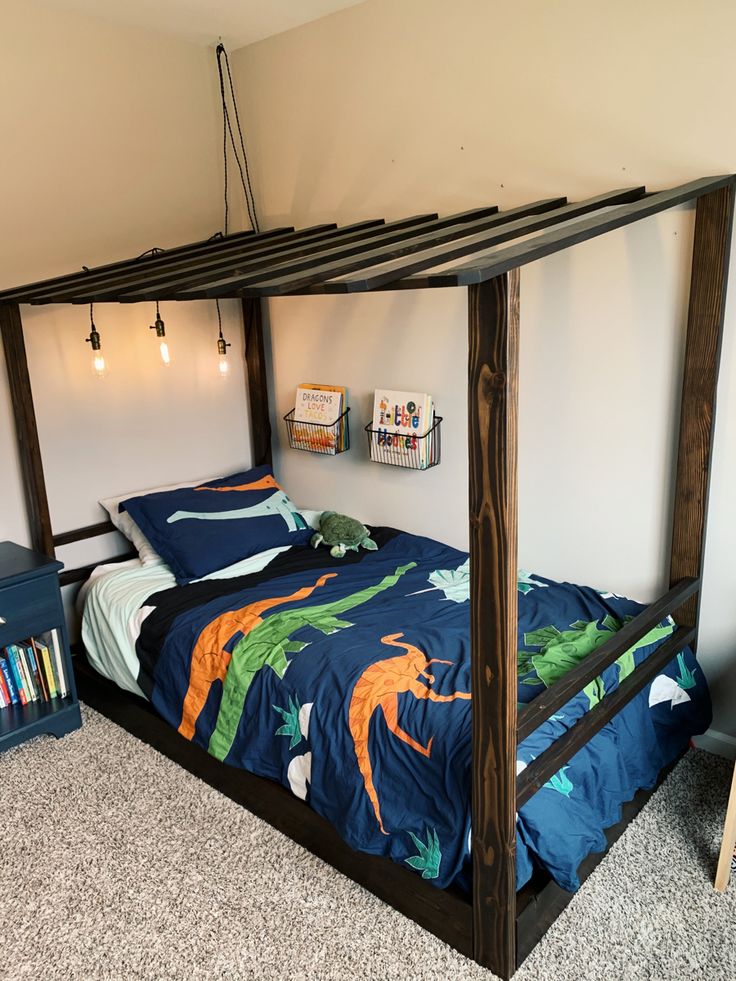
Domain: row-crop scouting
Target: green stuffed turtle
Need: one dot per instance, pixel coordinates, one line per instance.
(342, 533)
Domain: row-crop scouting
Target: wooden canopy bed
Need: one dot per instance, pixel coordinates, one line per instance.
(496, 926)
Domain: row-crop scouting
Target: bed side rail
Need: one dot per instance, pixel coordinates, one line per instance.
(549, 762)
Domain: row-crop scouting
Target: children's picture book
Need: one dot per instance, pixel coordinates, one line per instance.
(400, 419)
(318, 408)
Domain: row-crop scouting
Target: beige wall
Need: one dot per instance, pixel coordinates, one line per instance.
(396, 107)
(110, 145)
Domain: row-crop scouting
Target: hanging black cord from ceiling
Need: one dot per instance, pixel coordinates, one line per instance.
(227, 130)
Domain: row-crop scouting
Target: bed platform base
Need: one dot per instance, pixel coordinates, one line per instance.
(496, 927)
(447, 913)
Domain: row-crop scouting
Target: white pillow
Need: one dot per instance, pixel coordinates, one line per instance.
(126, 526)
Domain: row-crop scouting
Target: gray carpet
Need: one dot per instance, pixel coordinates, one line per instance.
(115, 863)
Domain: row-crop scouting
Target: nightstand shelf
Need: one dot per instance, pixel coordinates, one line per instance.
(30, 605)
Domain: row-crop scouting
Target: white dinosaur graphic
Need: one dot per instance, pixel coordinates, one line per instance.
(278, 504)
(666, 689)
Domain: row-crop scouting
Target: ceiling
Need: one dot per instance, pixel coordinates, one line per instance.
(238, 22)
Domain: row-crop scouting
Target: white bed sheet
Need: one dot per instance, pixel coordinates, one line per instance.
(112, 606)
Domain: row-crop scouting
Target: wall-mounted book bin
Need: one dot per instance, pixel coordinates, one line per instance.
(411, 451)
(316, 437)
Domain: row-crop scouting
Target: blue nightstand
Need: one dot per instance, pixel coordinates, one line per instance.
(30, 604)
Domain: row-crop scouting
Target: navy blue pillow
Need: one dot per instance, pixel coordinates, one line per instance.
(197, 530)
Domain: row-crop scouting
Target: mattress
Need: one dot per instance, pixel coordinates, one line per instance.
(112, 604)
(348, 681)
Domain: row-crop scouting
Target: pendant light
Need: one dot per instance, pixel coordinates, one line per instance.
(160, 329)
(222, 346)
(99, 367)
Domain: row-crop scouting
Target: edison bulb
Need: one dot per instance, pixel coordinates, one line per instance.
(99, 367)
(165, 356)
(224, 366)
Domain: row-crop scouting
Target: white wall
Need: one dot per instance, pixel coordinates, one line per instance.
(110, 146)
(396, 107)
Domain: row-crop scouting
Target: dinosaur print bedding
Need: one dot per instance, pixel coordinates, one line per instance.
(348, 681)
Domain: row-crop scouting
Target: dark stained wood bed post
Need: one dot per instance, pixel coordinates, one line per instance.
(493, 369)
(709, 279)
(257, 383)
(26, 431)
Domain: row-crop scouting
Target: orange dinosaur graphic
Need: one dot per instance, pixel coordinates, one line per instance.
(265, 483)
(380, 685)
(210, 660)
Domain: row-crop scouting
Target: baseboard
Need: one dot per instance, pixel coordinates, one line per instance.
(718, 743)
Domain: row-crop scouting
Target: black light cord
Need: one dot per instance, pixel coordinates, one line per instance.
(242, 142)
(227, 130)
(219, 317)
(224, 138)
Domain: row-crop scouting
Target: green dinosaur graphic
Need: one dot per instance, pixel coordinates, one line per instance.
(686, 678)
(269, 643)
(526, 582)
(561, 783)
(428, 860)
(291, 722)
(561, 650)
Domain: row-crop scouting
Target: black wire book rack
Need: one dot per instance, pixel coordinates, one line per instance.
(412, 451)
(328, 439)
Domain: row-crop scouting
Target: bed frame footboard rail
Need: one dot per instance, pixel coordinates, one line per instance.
(551, 700)
(549, 762)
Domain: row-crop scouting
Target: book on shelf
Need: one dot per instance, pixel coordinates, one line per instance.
(14, 666)
(9, 678)
(4, 689)
(28, 680)
(33, 670)
(317, 412)
(400, 420)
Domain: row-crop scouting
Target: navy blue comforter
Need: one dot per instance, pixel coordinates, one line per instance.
(348, 681)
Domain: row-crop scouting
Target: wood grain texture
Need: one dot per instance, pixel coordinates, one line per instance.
(537, 773)
(26, 431)
(493, 368)
(551, 699)
(708, 283)
(723, 872)
(255, 357)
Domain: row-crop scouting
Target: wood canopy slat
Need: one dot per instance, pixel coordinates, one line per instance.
(337, 265)
(369, 255)
(145, 261)
(525, 225)
(117, 287)
(348, 235)
(88, 284)
(488, 267)
(389, 243)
